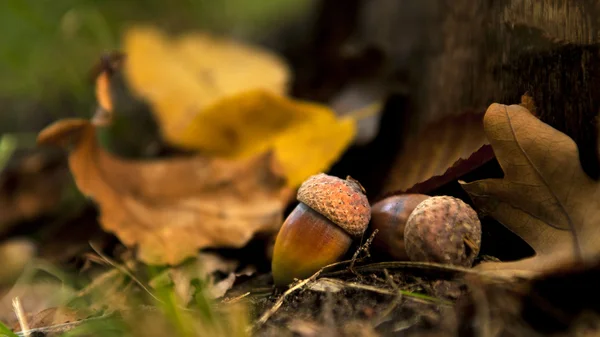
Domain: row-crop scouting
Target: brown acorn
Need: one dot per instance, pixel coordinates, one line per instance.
(389, 217)
(319, 231)
(443, 229)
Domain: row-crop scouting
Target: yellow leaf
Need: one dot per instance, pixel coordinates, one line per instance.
(181, 77)
(306, 138)
(313, 147)
(226, 99)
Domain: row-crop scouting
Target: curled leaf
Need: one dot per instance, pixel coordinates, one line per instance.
(181, 77)
(545, 197)
(172, 207)
(440, 153)
(227, 99)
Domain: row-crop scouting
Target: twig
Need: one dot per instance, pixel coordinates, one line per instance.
(235, 299)
(19, 312)
(265, 317)
(363, 248)
(390, 280)
(410, 265)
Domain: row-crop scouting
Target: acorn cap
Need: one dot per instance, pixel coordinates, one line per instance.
(342, 201)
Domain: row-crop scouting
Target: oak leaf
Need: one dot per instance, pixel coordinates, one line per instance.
(227, 99)
(442, 152)
(545, 197)
(170, 208)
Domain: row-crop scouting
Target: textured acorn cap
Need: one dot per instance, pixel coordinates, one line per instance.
(342, 201)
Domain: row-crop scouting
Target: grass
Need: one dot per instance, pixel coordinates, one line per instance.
(5, 331)
(113, 304)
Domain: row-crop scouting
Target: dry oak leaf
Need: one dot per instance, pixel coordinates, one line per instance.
(545, 197)
(170, 208)
(226, 99)
(443, 151)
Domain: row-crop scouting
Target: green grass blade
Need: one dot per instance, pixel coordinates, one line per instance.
(5, 331)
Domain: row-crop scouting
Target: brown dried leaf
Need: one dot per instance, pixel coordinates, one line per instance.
(171, 208)
(35, 297)
(442, 152)
(545, 196)
(51, 316)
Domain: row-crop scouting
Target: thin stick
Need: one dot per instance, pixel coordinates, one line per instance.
(390, 280)
(363, 248)
(408, 265)
(19, 312)
(235, 299)
(265, 317)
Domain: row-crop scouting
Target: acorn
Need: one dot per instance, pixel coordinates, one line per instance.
(389, 217)
(443, 229)
(332, 212)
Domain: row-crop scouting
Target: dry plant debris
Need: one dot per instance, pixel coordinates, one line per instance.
(171, 208)
(440, 153)
(545, 196)
(228, 99)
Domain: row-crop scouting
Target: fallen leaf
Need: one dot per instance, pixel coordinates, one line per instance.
(183, 76)
(460, 167)
(440, 153)
(49, 317)
(305, 138)
(171, 208)
(35, 296)
(545, 197)
(227, 99)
